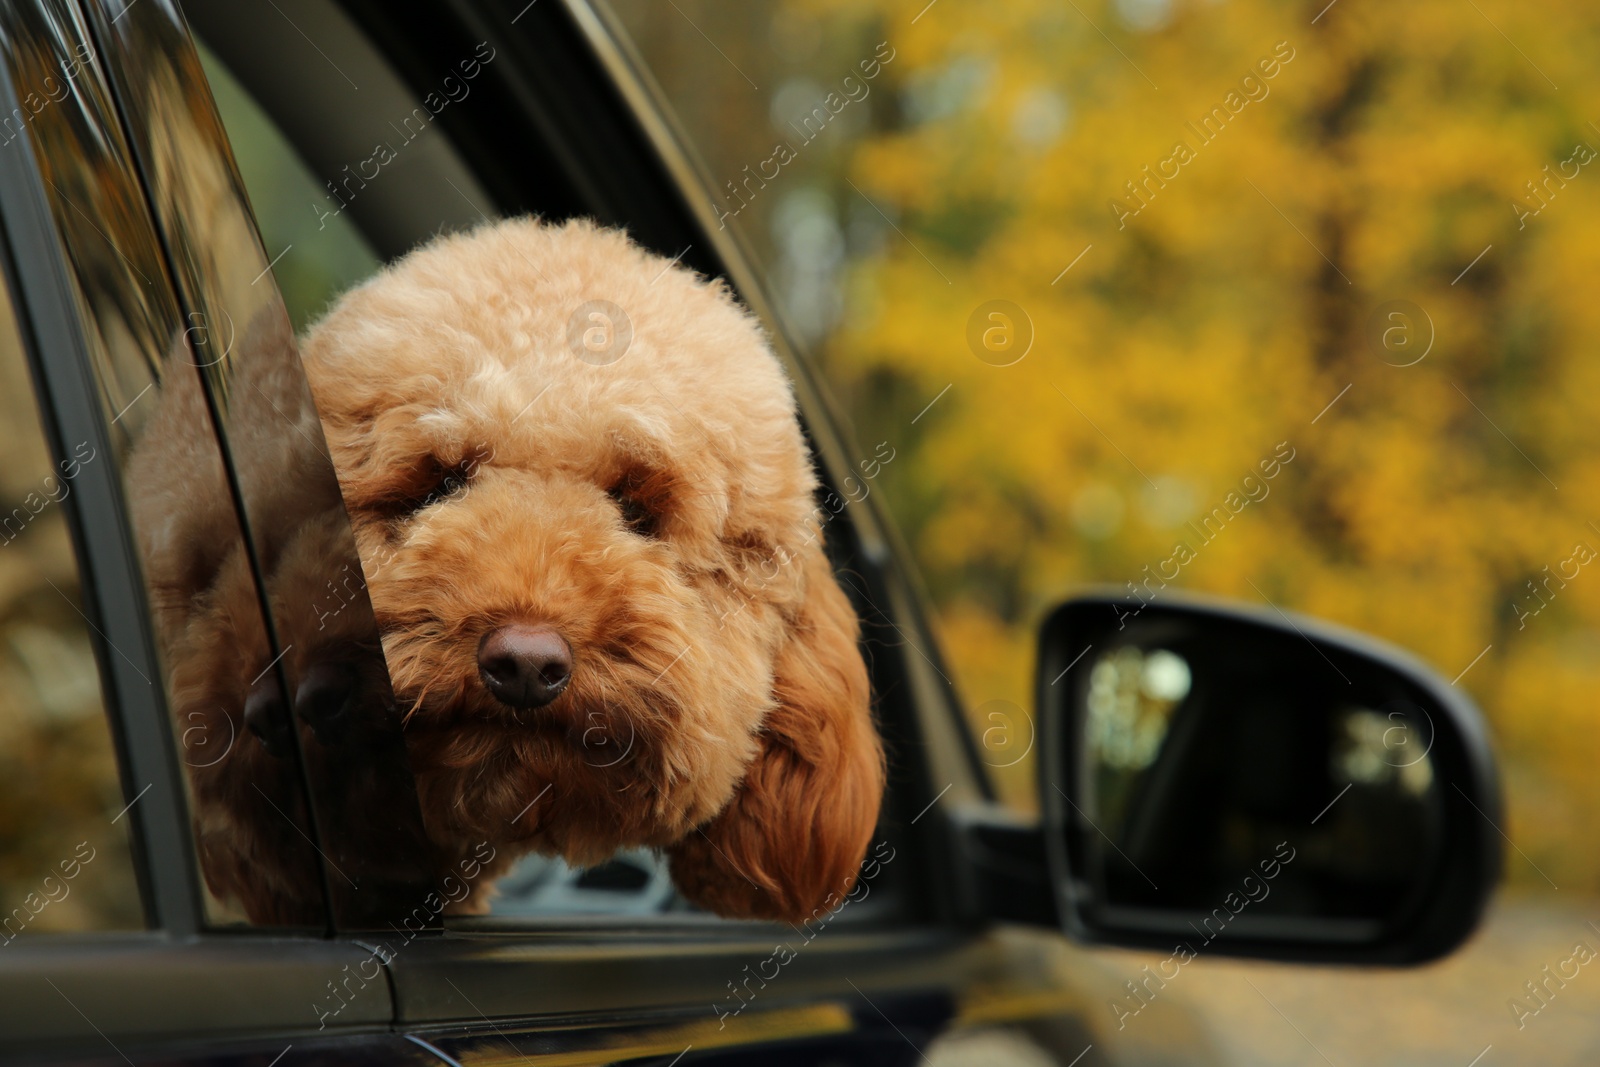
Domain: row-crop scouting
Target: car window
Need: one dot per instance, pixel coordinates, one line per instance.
(65, 863)
(1285, 303)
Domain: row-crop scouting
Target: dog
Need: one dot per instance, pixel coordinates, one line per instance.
(585, 512)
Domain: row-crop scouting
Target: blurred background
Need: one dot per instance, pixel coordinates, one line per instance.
(1377, 245)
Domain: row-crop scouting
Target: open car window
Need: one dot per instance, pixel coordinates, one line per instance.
(354, 152)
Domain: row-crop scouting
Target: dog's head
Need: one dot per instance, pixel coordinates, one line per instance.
(585, 510)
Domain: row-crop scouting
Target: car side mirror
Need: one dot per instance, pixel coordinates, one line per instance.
(1217, 779)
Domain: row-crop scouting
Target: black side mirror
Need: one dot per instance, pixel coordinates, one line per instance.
(1225, 780)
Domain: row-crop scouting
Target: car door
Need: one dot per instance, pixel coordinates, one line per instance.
(188, 187)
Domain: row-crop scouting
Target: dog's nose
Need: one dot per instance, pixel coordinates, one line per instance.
(524, 666)
(265, 716)
(326, 699)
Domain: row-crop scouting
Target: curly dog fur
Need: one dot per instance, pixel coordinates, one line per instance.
(655, 508)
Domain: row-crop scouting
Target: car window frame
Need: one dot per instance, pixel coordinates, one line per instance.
(55, 341)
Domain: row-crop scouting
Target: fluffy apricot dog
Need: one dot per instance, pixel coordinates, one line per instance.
(585, 510)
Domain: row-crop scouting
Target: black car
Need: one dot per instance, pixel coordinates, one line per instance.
(1212, 779)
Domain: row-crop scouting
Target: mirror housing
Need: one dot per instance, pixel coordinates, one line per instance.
(1249, 783)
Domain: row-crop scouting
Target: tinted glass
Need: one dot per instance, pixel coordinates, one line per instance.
(323, 252)
(323, 698)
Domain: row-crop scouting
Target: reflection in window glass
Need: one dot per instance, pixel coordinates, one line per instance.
(64, 864)
(284, 194)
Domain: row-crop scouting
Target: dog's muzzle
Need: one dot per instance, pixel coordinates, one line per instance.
(524, 666)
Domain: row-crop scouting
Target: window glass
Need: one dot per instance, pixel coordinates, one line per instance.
(1288, 303)
(65, 863)
(284, 195)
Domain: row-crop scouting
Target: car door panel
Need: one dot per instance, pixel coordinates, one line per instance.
(690, 1046)
(148, 992)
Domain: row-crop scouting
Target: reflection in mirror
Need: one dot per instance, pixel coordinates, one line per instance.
(1206, 758)
(1232, 778)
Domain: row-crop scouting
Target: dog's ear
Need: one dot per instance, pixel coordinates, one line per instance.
(790, 843)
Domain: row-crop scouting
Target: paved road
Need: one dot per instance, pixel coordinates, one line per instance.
(1444, 1014)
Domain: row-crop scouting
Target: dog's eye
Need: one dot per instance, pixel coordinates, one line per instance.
(640, 498)
(452, 483)
(437, 484)
(635, 514)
